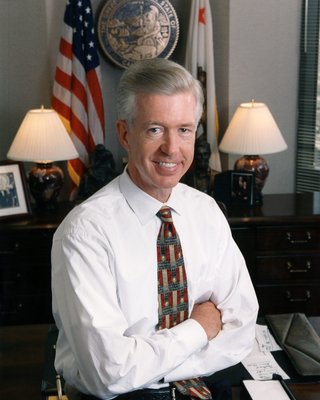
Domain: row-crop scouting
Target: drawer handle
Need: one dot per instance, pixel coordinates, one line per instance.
(13, 280)
(12, 312)
(10, 252)
(292, 269)
(7, 252)
(291, 239)
(297, 299)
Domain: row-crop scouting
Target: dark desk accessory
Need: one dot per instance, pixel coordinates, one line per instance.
(299, 340)
(235, 188)
(100, 172)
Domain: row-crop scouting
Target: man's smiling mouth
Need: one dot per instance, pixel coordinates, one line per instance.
(166, 164)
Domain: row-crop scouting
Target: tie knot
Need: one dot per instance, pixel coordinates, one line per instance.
(165, 214)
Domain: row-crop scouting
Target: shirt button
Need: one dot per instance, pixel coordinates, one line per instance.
(174, 280)
(166, 303)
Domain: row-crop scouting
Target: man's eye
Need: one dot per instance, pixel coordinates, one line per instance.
(185, 131)
(154, 131)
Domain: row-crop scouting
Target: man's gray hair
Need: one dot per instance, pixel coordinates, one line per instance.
(155, 76)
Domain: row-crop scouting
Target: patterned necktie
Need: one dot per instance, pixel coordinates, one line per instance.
(173, 292)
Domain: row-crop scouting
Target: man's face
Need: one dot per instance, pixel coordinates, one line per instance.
(160, 142)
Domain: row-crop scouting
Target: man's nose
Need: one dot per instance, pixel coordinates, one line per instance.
(170, 143)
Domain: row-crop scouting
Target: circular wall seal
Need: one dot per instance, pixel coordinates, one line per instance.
(132, 30)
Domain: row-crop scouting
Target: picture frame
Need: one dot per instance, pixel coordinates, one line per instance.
(225, 188)
(242, 187)
(14, 197)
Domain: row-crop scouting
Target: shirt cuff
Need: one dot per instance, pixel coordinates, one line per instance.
(191, 333)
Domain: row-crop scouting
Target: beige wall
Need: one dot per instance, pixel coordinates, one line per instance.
(256, 56)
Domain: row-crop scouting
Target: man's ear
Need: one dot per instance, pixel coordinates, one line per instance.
(122, 130)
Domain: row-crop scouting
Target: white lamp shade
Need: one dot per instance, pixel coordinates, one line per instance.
(42, 138)
(252, 131)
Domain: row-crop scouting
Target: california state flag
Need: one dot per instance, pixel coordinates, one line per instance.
(199, 55)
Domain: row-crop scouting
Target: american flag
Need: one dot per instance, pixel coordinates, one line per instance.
(77, 93)
(199, 55)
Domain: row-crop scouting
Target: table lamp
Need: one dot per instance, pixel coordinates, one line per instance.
(253, 131)
(42, 138)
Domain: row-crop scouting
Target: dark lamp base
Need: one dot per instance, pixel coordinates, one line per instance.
(260, 167)
(45, 181)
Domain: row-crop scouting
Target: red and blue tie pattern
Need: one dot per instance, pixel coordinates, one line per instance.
(173, 292)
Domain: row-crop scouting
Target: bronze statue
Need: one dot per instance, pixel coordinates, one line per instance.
(200, 176)
(100, 172)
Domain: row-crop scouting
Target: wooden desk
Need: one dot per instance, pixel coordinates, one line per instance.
(306, 391)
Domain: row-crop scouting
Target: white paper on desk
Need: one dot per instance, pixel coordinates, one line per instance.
(261, 366)
(266, 390)
(265, 339)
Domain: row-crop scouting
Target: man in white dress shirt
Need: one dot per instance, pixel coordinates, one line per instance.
(104, 258)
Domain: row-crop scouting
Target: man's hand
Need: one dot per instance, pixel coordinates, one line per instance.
(209, 318)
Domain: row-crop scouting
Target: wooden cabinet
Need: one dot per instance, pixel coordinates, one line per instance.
(281, 243)
(25, 273)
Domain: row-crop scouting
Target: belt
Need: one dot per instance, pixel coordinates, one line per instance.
(165, 393)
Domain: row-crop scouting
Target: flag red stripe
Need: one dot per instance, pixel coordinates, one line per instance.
(61, 108)
(94, 86)
(79, 91)
(79, 130)
(77, 127)
(65, 48)
(63, 79)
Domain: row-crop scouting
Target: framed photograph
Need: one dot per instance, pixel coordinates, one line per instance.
(14, 198)
(242, 187)
(234, 188)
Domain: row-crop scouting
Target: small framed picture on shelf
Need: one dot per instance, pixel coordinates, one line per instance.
(234, 188)
(14, 199)
(242, 187)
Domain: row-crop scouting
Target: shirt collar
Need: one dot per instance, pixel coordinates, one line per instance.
(143, 205)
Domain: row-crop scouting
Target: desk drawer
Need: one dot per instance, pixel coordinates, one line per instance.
(287, 238)
(287, 267)
(290, 298)
(15, 310)
(20, 279)
(29, 244)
